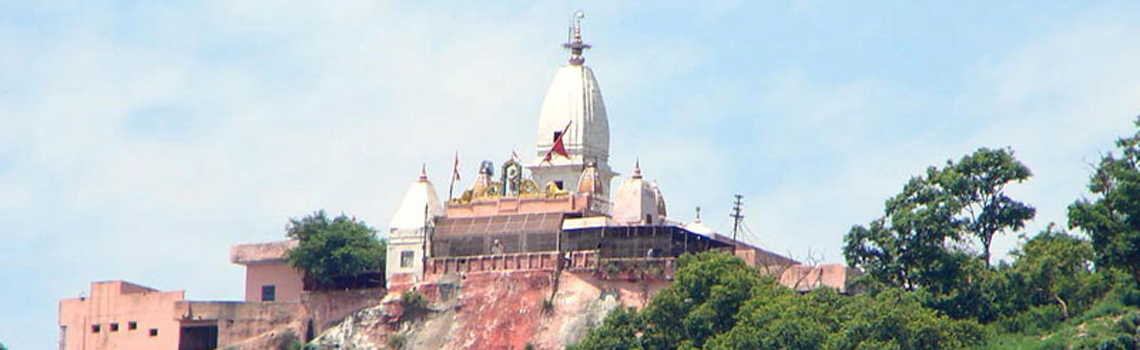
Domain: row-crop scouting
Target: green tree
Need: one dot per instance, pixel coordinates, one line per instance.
(618, 332)
(1112, 219)
(707, 291)
(907, 246)
(1055, 267)
(977, 185)
(334, 252)
(718, 303)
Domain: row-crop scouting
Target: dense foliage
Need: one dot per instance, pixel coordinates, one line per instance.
(929, 282)
(335, 252)
(1113, 218)
(717, 302)
(911, 246)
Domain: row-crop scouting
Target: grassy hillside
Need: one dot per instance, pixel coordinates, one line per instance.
(1112, 323)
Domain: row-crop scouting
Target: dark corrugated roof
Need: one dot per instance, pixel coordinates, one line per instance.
(500, 224)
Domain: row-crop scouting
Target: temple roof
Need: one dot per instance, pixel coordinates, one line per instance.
(575, 99)
(410, 215)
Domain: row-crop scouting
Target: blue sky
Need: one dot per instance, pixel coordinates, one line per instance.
(139, 140)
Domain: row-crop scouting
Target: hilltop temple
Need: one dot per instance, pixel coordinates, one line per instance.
(556, 210)
(550, 228)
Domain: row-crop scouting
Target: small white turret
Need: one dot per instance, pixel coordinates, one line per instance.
(407, 232)
(638, 202)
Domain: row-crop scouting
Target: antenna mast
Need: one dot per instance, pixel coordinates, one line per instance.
(737, 217)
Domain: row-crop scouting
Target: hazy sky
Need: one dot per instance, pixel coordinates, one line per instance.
(139, 140)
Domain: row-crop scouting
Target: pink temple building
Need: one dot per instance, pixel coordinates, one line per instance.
(276, 310)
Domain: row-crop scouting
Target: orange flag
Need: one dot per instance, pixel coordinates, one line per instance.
(558, 147)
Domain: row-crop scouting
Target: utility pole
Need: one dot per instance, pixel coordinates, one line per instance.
(737, 217)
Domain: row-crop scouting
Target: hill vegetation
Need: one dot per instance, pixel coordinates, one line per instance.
(335, 253)
(930, 282)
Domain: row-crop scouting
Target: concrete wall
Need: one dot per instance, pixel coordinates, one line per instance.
(325, 309)
(120, 302)
(238, 321)
(288, 280)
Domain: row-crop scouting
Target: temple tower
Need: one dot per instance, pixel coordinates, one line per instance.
(408, 231)
(573, 103)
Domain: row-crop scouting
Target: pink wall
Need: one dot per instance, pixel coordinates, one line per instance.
(289, 281)
(120, 302)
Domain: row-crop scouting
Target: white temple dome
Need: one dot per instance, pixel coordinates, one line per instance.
(699, 227)
(638, 202)
(410, 214)
(575, 98)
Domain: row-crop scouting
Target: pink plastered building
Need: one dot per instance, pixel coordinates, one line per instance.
(268, 276)
(119, 315)
(123, 315)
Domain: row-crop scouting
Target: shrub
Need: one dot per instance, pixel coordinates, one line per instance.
(397, 341)
(413, 300)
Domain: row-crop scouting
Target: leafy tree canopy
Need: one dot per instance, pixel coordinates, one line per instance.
(334, 252)
(717, 302)
(1112, 219)
(912, 245)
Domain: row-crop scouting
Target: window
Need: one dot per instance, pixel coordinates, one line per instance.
(407, 258)
(132, 325)
(559, 184)
(154, 332)
(95, 328)
(268, 292)
(556, 135)
(114, 327)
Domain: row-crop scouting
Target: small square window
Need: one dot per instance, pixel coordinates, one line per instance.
(407, 258)
(132, 325)
(95, 328)
(556, 135)
(559, 185)
(114, 327)
(268, 292)
(154, 332)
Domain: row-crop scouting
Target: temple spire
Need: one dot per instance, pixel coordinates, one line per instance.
(423, 173)
(575, 43)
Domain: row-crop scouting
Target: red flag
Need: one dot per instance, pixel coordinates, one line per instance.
(455, 168)
(558, 146)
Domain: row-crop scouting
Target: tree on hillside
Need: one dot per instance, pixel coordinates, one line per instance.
(906, 247)
(910, 245)
(1113, 218)
(334, 252)
(1056, 267)
(718, 303)
(977, 184)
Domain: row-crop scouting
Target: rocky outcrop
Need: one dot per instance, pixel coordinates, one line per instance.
(492, 310)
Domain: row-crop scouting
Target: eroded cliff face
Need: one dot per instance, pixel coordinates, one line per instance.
(492, 310)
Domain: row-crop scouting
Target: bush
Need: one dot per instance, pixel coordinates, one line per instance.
(1036, 320)
(413, 300)
(397, 341)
